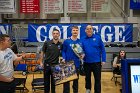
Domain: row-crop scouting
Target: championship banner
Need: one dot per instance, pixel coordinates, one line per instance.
(108, 32)
(64, 72)
(7, 6)
(135, 4)
(100, 6)
(5, 28)
(53, 6)
(76, 6)
(29, 6)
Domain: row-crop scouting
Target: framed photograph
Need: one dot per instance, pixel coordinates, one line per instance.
(64, 72)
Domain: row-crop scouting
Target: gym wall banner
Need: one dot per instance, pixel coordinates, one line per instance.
(53, 6)
(108, 32)
(7, 6)
(135, 4)
(5, 28)
(29, 6)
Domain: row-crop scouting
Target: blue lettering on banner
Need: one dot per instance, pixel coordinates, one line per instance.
(108, 32)
(5, 28)
(136, 78)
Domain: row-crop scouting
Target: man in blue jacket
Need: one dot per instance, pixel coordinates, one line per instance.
(68, 55)
(95, 57)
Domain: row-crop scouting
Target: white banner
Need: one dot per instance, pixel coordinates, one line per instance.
(101, 6)
(76, 6)
(135, 78)
(53, 6)
(7, 6)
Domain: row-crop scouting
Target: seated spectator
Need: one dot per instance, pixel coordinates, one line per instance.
(117, 62)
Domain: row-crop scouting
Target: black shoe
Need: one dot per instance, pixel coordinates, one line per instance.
(121, 90)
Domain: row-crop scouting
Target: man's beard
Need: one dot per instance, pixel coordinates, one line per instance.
(55, 38)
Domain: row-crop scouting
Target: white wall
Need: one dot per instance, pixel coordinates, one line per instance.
(97, 20)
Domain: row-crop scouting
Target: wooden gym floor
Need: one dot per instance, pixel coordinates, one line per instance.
(108, 86)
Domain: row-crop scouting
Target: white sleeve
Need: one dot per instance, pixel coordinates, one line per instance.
(1, 59)
(13, 54)
(115, 61)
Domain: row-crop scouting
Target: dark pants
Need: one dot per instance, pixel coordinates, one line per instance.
(96, 69)
(47, 77)
(66, 86)
(117, 70)
(6, 87)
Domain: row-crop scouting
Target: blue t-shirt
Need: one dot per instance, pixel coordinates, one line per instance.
(67, 52)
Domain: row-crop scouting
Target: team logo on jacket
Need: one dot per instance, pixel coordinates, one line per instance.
(94, 39)
(58, 46)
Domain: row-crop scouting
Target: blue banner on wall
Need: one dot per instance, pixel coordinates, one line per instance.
(5, 28)
(108, 32)
(135, 4)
